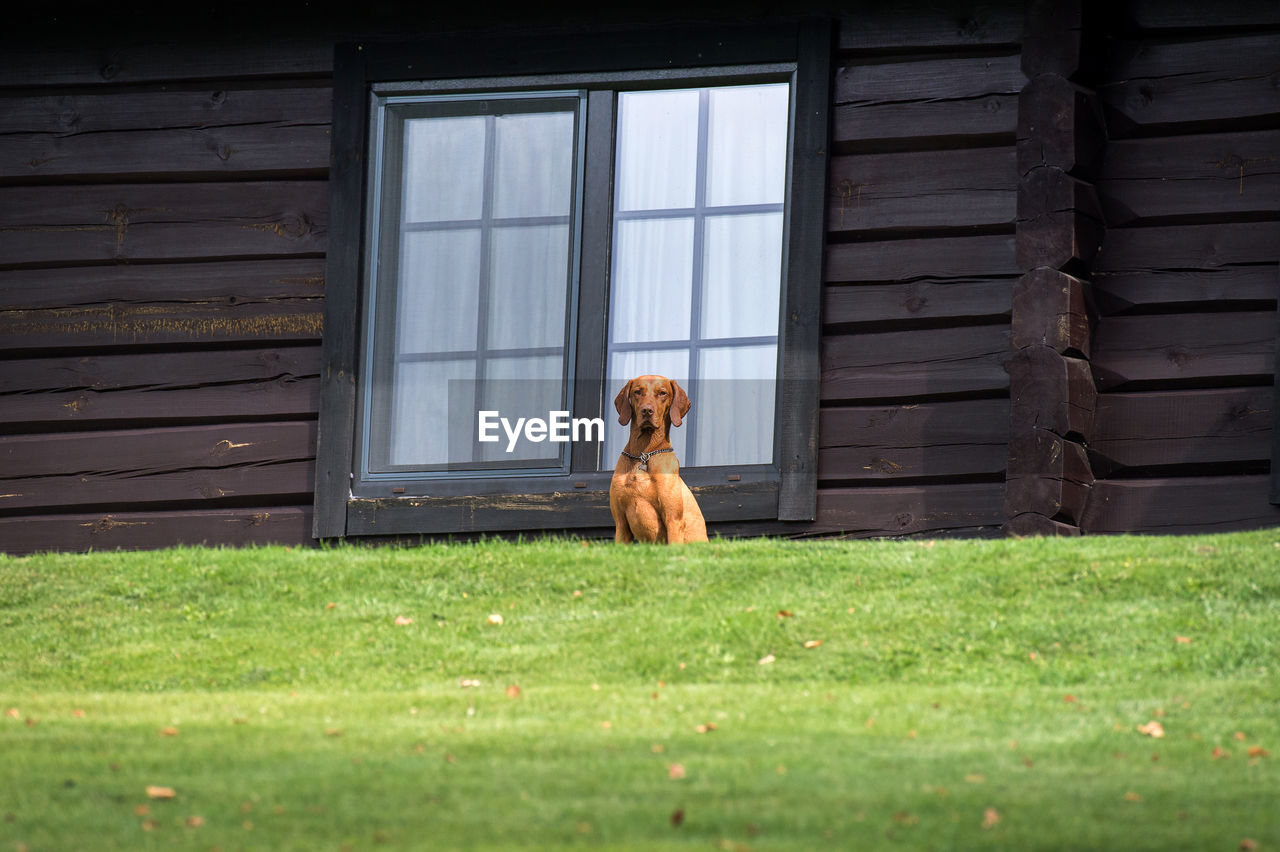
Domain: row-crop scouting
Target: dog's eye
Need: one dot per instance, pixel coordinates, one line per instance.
(662, 393)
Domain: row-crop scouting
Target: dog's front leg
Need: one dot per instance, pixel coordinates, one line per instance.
(671, 505)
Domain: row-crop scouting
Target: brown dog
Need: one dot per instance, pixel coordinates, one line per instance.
(647, 497)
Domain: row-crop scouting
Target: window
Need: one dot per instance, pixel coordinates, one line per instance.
(510, 238)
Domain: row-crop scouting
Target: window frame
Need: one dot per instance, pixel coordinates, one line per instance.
(782, 491)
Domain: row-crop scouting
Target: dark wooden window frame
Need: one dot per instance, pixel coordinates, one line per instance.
(785, 490)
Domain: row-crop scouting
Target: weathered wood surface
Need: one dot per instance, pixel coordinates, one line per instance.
(905, 510)
(223, 132)
(925, 103)
(944, 440)
(1050, 392)
(1174, 86)
(879, 26)
(61, 225)
(920, 364)
(1048, 475)
(289, 525)
(916, 303)
(1191, 247)
(1142, 432)
(156, 389)
(200, 465)
(230, 57)
(1182, 179)
(1051, 309)
(1059, 126)
(1193, 14)
(937, 259)
(1181, 505)
(922, 190)
(1184, 350)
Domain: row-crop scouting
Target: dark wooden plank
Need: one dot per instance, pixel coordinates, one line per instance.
(908, 442)
(940, 259)
(1191, 177)
(1048, 476)
(925, 102)
(915, 364)
(1060, 126)
(227, 57)
(922, 190)
(79, 533)
(58, 225)
(1182, 429)
(229, 283)
(880, 26)
(1191, 247)
(184, 132)
(174, 387)
(1050, 391)
(1184, 350)
(1181, 85)
(1051, 43)
(802, 325)
(917, 302)
(1050, 308)
(873, 512)
(1059, 221)
(193, 465)
(1235, 288)
(535, 512)
(1184, 14)
(1182, 505)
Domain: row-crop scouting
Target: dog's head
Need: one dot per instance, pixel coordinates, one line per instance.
(653, 401)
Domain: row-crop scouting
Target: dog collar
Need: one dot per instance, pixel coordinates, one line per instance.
(643, 458)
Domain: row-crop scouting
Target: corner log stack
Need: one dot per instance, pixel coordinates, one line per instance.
(1058, 232)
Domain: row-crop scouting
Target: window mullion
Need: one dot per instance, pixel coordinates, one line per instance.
(482, 301)
(699, 247)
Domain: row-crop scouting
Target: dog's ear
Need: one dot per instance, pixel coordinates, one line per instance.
(680, 404)
(622, 402)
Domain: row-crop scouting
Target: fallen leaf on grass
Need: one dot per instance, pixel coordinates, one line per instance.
(402, 621)
(495, 618)
(785, 613)
(1068, 699)
(1248, 845)
(142, 810)
(333, 732)
(513, 691)
(195, 821)
(976, 778)
(813, 643)
(1132, 797)
(676, 771)
(677, 818)
(78, 713)
(1239, 735)
(1258, 751)
(468, 682)
(331, 606)
(12, 713)
(990, 819)
(767, 659)
(1219, 752)
(1152, 729)
(1182, 640)
(906, 818)
(161, 793)
(707, 728)
(169, 732)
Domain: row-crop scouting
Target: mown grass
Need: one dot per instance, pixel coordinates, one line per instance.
(981, 694)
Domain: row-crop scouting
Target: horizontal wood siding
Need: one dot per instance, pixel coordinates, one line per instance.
(920, 266)
(163, 225)
(1186, 282)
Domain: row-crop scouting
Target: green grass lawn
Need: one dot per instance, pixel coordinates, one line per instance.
(734, 695)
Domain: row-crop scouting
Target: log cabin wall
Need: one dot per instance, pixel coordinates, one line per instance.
(1186, 280)
(920, 270)
(162, 236)
(163, 212)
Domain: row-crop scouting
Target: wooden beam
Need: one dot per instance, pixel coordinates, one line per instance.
(1053, 311)
(916, 364)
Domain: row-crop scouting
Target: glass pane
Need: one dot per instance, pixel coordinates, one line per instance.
(529, 277)
(533, 170)
(430, 424)
(522, 387)
(443, 168)
(657, 149)
(624, 366)
(736, 381)
(652, 280)
(742, 268)
(747, 142)
(439, 291)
